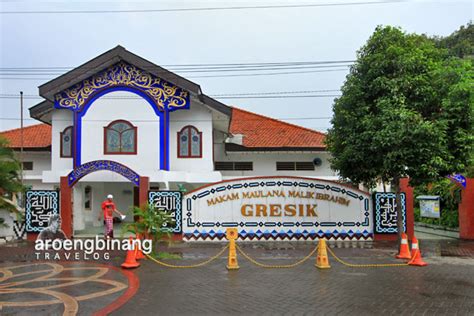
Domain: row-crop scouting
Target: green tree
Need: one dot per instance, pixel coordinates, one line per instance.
(9, 176)
(405, 110)
(460, 43)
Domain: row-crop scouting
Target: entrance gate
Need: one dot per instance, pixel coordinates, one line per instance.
(68, 182)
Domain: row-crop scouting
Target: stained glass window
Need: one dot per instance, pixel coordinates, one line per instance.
(66, 142)
(120, 138)
(189, 143)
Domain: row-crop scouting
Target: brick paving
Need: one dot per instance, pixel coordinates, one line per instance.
(445, 286)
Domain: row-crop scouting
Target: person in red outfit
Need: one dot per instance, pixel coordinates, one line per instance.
(108, 208)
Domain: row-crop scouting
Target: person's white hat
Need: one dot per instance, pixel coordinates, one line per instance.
(110, 196)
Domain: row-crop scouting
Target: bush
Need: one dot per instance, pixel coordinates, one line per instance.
(149, 224)
(450, 196)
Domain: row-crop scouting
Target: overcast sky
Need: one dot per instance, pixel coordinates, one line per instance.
(319, 33)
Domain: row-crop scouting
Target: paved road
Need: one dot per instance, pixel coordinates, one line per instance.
(446, 286)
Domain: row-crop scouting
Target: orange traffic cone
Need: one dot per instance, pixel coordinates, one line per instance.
(130, 259)
(404, 248)
(140, 254)
(416, 259)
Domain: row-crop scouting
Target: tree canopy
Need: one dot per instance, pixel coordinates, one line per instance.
(405, 110)
(9, 175)
(460, 43)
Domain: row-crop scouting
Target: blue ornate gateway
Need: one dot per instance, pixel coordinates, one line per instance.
(97, 165)
(162, 95)
(166, 96)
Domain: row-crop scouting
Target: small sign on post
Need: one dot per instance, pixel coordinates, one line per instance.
(429, 206)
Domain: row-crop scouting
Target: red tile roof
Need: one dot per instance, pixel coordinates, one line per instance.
(265, 132)
(259, 132)
(34, 136)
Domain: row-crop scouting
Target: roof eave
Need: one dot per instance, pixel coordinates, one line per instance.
(35, 149)
(39, 110)
(218, 106)
(241, 148)
(109, 58)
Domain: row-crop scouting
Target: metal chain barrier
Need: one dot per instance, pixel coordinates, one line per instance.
(197, 265)
(283, 266)
(381, 265)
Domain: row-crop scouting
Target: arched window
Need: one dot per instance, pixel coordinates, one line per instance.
(189, 142)
(66, 142)
(120, 137)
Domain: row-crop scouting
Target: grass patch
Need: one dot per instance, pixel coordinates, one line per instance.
(166, 255)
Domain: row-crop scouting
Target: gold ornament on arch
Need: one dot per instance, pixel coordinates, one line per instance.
(165, 95)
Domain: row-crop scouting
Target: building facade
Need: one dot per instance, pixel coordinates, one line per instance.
(118, 119)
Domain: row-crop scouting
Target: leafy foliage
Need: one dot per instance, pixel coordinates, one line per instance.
(460, 43)
(9, 175)
(450, 196)
(149, 224)
(405, 110)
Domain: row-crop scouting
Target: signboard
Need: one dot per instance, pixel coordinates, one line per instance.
(429, 206)
(459, 179)
(170, 202)
(277, 208)
(40, 205)
(386, 213)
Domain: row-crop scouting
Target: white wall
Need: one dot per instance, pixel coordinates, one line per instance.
(41, 162)
(201, 118)
(60, 120)
(138, 112)
(7, 232)
(39, 185)
(264, 163)
(123, 198)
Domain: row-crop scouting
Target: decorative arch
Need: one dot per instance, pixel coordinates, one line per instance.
(163, 96)
(92, 166)
(166, 96)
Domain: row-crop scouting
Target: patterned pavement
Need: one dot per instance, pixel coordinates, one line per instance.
(51, 288)
(445, 286)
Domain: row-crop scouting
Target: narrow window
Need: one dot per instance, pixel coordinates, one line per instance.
(27, 165)
(66, 142)
(292, 166)
(189, 142)
(233, 165)
(120, 137)
(87, 198)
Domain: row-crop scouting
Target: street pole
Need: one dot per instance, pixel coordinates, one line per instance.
(21, 145)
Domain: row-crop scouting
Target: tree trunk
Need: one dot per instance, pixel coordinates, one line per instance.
(398, 208)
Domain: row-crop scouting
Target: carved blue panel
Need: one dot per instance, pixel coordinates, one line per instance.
(170, 202)
(40, 205)
(386, 214)
(97, 165)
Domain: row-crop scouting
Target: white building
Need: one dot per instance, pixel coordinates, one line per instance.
(119, 117)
